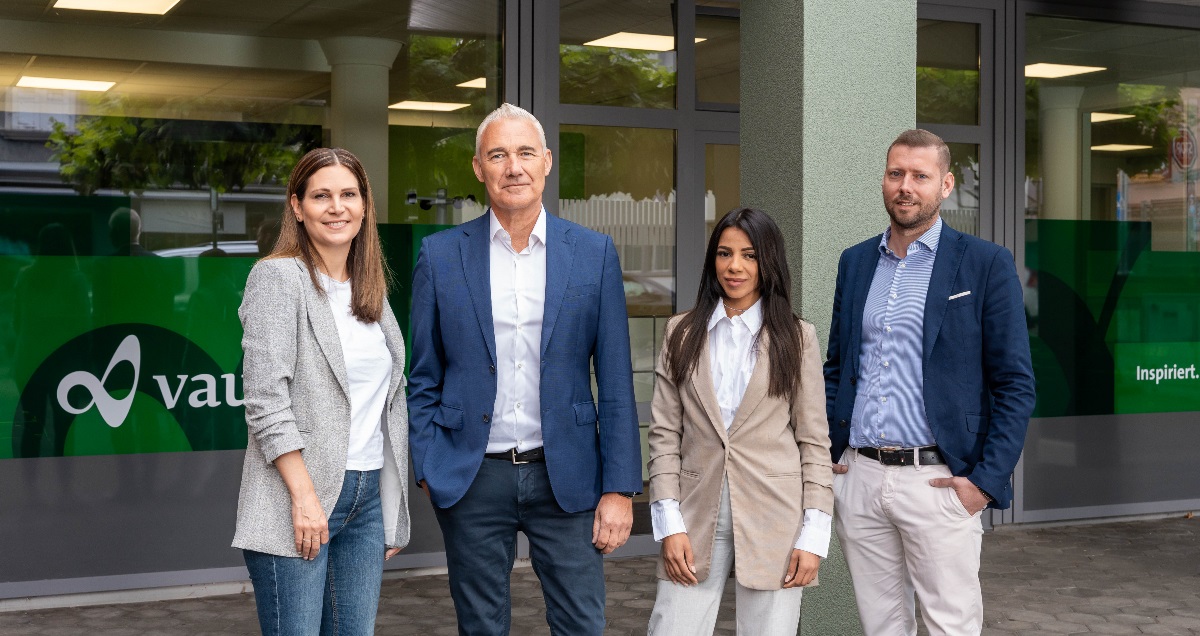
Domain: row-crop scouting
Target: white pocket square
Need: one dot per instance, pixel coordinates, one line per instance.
(959, 295)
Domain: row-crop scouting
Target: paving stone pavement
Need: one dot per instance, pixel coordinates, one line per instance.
(1139, 577)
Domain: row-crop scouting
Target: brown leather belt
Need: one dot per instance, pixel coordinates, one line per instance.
(903, 456)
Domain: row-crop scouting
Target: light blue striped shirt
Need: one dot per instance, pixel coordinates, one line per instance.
(889, 408)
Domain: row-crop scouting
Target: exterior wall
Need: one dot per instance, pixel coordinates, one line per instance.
(820, 105)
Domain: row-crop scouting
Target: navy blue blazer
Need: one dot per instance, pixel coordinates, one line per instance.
(978, 379)
(452, 383)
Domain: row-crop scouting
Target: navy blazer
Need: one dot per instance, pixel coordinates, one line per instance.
(978, 378)
(452, 383)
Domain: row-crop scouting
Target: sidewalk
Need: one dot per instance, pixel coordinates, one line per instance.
(1138, 577)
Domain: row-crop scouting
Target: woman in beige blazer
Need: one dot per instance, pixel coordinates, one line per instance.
(739, 444)
(324, 497)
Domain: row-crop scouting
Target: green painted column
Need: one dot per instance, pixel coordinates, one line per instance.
(826, 86)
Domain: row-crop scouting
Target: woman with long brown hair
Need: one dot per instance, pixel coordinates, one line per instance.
(324, 499)
(739, 445)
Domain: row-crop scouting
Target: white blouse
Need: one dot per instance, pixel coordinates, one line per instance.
(369, 373)
(732, 355)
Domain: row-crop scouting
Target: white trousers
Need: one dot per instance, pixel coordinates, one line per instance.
(900, 535)
(681, 610)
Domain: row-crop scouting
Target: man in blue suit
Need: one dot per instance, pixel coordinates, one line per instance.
(510, 313)
(929, 389)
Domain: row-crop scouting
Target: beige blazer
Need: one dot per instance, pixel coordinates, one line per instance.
(775, 456)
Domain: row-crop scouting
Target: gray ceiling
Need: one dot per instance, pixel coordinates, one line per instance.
(1130, 53)
(305, 19)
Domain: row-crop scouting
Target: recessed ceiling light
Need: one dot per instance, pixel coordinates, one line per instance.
(638, 41)
(1120, 147)
(152, 7)
(1053, 71)
(441, 107)
(478, 82)
(1103, 117)
(64, 84)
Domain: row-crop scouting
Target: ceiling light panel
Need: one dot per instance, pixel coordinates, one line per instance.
(64, 84)
(638, 42)
(150, 7)
(441, 107)
(1098, 118)
(1046, 70)
(1120, 147)
(478, 82)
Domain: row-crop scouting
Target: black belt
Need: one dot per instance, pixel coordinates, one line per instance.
(511, 455)
(903, 456)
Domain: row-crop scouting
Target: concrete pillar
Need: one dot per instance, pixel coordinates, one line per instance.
(826, 86)
(358, 116)
(1062, 151)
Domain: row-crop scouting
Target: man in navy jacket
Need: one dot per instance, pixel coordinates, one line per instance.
(929, 390)
(510, 314)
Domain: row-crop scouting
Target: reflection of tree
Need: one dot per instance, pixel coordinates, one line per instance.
(1158, 116)
(1032, 130)
(133, 154)
(615, 77)
(947, 96)
(436, 65)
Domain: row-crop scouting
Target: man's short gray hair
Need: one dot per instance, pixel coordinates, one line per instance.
(508, 111)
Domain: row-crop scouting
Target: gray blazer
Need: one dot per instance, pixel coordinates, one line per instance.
(297, 397)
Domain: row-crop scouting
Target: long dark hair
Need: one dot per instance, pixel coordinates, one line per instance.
(690, 338)
(365, 262)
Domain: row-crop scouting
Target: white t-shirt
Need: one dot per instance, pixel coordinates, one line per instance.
(369, 372)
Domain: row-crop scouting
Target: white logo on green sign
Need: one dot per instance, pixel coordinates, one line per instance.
(112, 410)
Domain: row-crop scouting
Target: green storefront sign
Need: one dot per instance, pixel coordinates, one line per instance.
(1114, 324)
(135, 355)
(121, 354)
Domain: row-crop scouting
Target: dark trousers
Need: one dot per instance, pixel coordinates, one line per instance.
(480, 532)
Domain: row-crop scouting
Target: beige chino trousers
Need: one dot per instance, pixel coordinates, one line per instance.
(902, 536)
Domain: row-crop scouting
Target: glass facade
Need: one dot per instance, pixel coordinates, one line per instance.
(948, 92)
(961, 209)
(947, 72)
(620, 181)
(617, 54)
(138, 184)
(722, 184)
(718, 61)
(1111, 179)
(136, 203)
(1112, 261)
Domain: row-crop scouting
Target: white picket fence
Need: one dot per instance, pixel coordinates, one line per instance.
(643, 231)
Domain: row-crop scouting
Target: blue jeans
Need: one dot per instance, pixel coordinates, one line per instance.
(336, 593)
(480, 532)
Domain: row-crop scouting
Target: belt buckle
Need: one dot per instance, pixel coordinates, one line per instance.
(894, 455)
(513, 451)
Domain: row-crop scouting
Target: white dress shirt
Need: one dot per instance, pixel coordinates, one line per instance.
(518, 282)
(369, 374)
(732, 355)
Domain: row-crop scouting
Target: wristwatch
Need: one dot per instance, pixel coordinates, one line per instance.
(627, 495)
